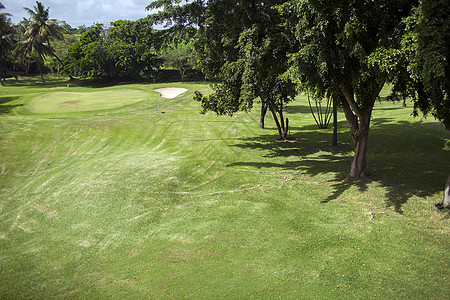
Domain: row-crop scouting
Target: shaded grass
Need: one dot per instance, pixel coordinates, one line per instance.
(126, 202)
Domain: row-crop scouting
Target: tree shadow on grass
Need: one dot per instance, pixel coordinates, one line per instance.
(53, 82)
(407, 159)
(35, 82)
(5, 109)
(296, 109)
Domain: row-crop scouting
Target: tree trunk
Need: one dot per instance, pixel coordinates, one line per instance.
(263, 114)
(275, 110)
(2, 78)
(280, 126)
(446, 196)
(360, 141)
(27, 68)
(287, 126)
(352, 119)
(40, 72)
(182, 74)
(334, 141)
(359, 131)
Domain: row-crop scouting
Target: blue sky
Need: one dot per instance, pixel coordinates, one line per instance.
(81, 12)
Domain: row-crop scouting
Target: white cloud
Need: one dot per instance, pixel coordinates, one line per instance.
(81, 12)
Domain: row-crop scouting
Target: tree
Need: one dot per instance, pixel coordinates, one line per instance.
(124, 52)
(421, 68)
(241, 45)
(190, 14)
(132, 47)
(61, 48)
(86, 56)
(6, 41)
(38, 35)
(446, 196)
(180, 57)
(338, 43)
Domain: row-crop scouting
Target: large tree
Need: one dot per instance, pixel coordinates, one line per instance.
(421, 68)
(241, 45)
(339, 41)
(40, 31)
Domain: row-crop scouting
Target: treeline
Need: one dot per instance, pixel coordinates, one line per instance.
(125, 50)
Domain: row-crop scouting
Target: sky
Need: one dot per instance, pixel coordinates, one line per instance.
(81, 12)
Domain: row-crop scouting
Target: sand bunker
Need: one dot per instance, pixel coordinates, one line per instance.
(170, 92)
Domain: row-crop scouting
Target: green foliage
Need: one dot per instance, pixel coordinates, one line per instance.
(123, 52)
(424, 67)
(343, 46)
(39, 31)
(241, 45)
(179, 56)
(172, 14)
(7, 41)
(61, 48)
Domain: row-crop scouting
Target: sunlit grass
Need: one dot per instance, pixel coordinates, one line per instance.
(150, 199)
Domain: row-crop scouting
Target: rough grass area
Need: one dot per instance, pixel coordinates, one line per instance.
(143, 197)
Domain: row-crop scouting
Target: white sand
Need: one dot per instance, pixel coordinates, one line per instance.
(170, 92)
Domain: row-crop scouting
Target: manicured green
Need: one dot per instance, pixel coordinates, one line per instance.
(64, 102)
(146, 198)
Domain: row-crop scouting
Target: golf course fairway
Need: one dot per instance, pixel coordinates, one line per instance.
(114, 192)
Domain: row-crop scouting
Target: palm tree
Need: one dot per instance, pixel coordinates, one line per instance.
(6, 40)
(37, 37)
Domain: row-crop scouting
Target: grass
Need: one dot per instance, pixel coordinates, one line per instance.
(115, 200)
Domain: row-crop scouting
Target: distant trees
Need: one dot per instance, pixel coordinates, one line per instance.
(125, 50)
(6, 42)
(179, 56)
(36, 39)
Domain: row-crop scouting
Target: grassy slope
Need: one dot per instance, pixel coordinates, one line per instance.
(126, 202)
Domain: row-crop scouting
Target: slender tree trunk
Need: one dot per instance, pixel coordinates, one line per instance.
(182, 74)
(280, 126)
(352, 119)
(263, 114)
(2, 78)
(334, 142)
(27, 68)
(40, 72)
(446, 196)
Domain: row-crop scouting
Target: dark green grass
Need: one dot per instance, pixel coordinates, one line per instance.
(128, 203)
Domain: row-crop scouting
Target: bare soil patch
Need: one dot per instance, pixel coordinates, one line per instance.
(74, 102)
